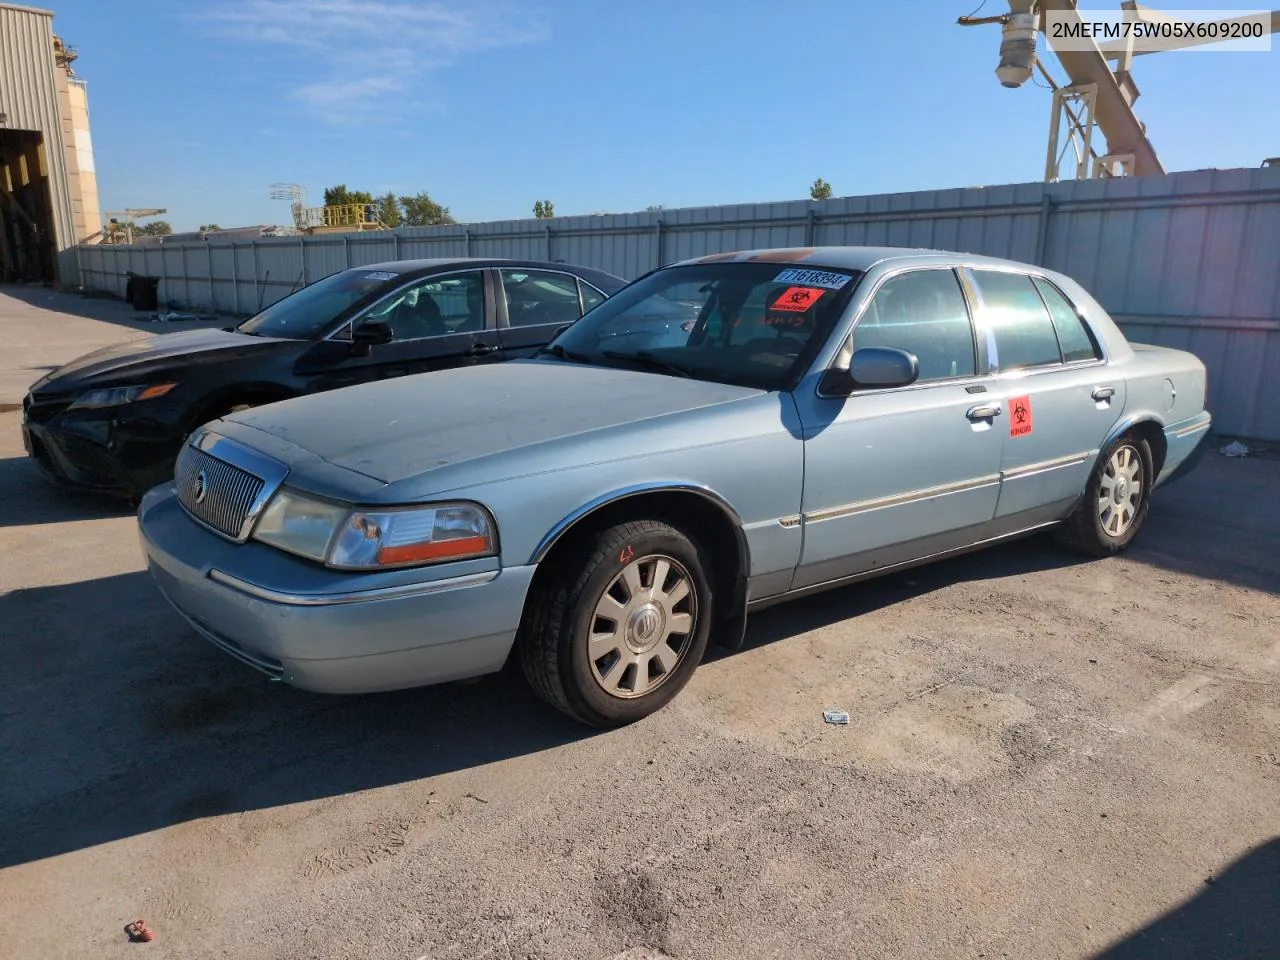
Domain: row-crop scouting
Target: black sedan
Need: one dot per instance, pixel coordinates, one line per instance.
(114, 420)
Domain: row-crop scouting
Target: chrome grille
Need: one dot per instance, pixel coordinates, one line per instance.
(215, 492)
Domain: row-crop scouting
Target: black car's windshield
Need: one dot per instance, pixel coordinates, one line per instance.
(751, 323)
(307, 312)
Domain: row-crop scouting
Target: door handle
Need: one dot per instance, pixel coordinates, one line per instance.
(482, 349)
(1103, 393)
(985, 411)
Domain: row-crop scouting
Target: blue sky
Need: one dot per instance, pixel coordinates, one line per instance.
(598, 105)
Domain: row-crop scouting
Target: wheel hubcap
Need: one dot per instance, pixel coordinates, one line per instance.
(1120, 491)
(642, 626)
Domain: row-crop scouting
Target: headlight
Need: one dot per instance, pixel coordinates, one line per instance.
(407, 536)
(357, 539)
(299, 524)
(116, 396)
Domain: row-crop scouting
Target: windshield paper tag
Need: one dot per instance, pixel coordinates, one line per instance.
(797, 299)
(812, 278)
(381, 276)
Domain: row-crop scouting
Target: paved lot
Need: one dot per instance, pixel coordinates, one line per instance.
(1047, 758)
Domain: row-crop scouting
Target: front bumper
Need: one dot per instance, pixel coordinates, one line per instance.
(326, 630)
(94, 451)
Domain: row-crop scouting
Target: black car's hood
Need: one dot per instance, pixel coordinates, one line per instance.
(151, 353)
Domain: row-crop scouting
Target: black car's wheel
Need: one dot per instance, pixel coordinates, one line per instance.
(1115, 500)
(621, 625)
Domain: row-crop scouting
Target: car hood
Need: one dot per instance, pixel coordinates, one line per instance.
(150, 352)
(515, 412)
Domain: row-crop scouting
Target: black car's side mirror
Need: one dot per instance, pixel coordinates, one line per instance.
(371, 333)
(872, 368)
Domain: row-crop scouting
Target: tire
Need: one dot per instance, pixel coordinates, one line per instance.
(642, 657)
(1109, 515)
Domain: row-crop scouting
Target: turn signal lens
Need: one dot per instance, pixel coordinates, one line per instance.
(407, 536)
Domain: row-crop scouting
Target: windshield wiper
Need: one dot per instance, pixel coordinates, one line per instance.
(646, 359)
(560, 353)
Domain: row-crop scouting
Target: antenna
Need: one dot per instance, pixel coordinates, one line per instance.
(296, 194)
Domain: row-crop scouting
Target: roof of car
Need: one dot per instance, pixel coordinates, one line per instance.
(409, 266)
(840, 258)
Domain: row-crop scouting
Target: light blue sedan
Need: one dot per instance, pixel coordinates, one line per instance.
(606, 510)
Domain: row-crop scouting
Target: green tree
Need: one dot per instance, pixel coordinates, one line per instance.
(821, 190)
(544, 209)
(421, 211)
(209, 227)
(389, 211)
(156, 228)
(340, 196)
(655, 207)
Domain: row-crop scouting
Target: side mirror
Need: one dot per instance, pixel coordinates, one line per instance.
(874, 368)
(371, 333)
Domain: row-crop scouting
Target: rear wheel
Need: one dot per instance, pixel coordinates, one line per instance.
(621, 627)
(1115, 500)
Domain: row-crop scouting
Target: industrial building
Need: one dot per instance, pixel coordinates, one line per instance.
(48, 188)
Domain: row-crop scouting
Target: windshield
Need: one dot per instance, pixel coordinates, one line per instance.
(307, 312)
(753, 324)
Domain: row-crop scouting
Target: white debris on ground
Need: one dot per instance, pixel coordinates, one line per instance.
(1235, 449)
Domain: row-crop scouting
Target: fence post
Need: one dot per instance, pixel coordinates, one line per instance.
(235, 281)
(657, 238)
(810, 227)
(346, 251)
(395, 245)
(548, 233)
(1042, 228)
(213, 298)
(164, 273)
(302, 251)
(466, 240)
(253, 248)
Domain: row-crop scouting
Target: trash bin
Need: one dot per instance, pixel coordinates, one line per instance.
(143, 293)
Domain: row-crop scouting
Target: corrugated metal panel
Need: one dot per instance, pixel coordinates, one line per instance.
(30, 99)
(1186, 260)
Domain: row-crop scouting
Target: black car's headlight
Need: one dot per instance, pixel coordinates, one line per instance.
(369, 539)
(117, 396)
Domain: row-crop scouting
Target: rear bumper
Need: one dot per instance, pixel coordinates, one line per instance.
(321, 630)
(1185, 446)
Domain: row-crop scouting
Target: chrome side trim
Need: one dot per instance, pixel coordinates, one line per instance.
(862, 506)
(353, 596)
(1044, 466)
(1193, 428)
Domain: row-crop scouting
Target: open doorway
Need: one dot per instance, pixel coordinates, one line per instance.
(28, 247)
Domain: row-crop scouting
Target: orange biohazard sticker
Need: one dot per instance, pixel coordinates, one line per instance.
(797, 299)
(1020, 416)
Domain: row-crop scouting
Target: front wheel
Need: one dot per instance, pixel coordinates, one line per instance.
(621, 627)
(1115, 500)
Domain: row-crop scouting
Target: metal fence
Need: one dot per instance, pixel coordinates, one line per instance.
(1190, 260)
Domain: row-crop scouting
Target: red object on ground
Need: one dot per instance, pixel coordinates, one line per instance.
(140, 932)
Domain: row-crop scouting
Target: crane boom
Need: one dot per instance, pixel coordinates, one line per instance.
(1113, 106)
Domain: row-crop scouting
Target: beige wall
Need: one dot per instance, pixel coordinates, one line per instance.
(82, 179)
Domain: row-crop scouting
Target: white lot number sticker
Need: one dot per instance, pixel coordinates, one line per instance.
(381, 276)
(812, 278)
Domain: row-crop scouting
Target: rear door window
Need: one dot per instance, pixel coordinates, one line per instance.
(537, 297)
(1023, 330)
(1076, 339)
